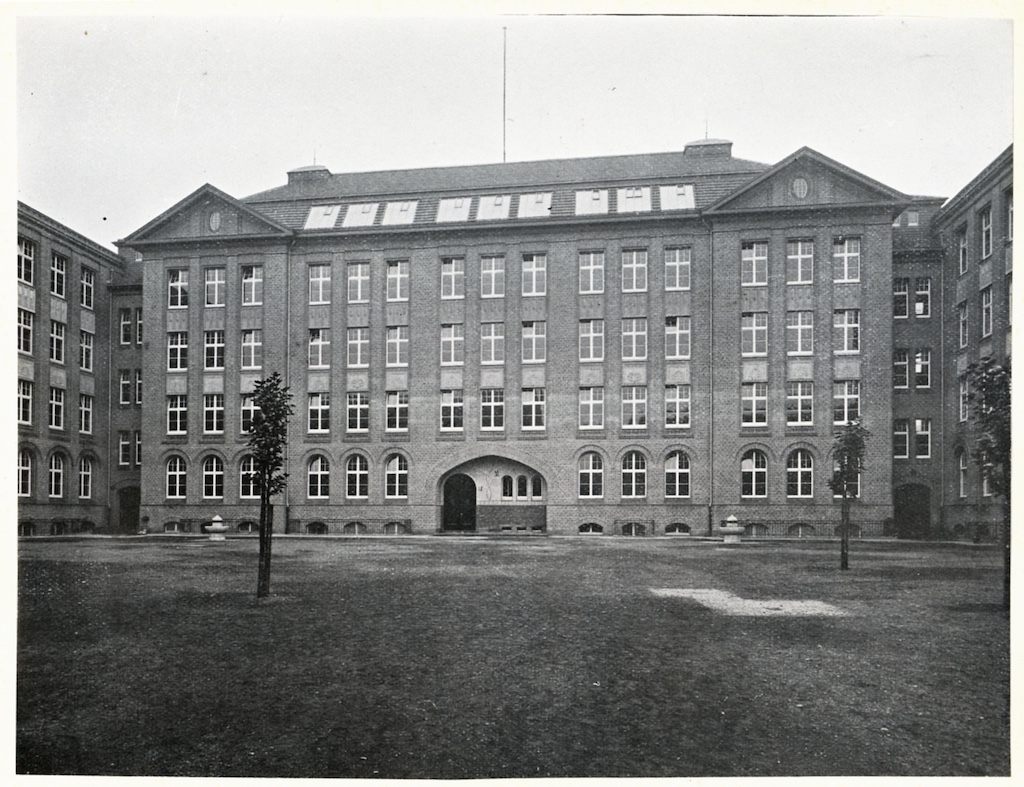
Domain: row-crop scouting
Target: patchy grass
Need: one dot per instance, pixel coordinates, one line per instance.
(473, 657)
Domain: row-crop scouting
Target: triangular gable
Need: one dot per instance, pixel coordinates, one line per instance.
(208, 214)
(807, 179)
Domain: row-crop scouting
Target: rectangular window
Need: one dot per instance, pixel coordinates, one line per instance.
(138, 326)
(753, 264)
(396, 416)
(677, 338)
(213, 350)
(138, 386)
(56, 341)
(913, 218)
(398, 280)
(26, 260)
(177, 350)
(677, 268)
(177, 414)
(634, 199)
(492, 277)
(845, 401)
(846, 334)
(125, 387)
(533, 408)
(397, 345)
(986, 312)
(319, 413)
(25, 401)
(87, 288)
(800, 333)
(124, 449)
(677, 406)
(985, 221)
(26, 321)
(535, 274)
(923, 297)
(634, 339)
(901, 438)
(58, 274)
(754, 333)
(125, 318)
(320, 283)
(961, 318)
(634, 407)
(591, 408)
(799, 403)
(252, 285)
(452, 345)
(247, 412)
(358, 282)
(215, 282)
(590, 201)
(900, 298)
(492, 409)
(800, 262)
(922, 438)
(453, 278)
(591, 340)
(591, 272)
(358, 343)
(964, 399)
(358, 412)
(535, 342)
(138, 448)
(923, 368)
(451, 411)
(56, 408)
(962, 249)
(754, 404)
(846, 259)
(177, 289)
(634, 270)
(534, 205)
(252, 348)
(319, 348)
(900, 368)
(213, 413)
(492, 343)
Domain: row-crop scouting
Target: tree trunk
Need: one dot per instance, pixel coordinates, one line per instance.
(266, 523)
(844, 541)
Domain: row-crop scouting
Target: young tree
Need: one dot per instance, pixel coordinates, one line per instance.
(848, 454)
(268, 435)
(989, 396)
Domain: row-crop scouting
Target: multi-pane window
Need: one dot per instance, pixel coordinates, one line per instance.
(358, 274)
(677, 475)
(923, 368)
(177, 414)
(138, 326)
(986, 312)
(962, 249)
(125, 320)
(677, 268)
(533, 408)
(754, 404)
(138, 447)
(248, 480)
(800, 333)
(85, 407)
(213, 413)
(396, 477)
(215, 285)
(591, 408)
(213, 477)
(397, 345)
(451, 410)
(961, 318)
(900, 438)
(124, 449)
(800, 474)
(319, 410)
(591, 340)
(320, 283)
(846, 333)
(846, 259)
(845, 401)
(900, 368)
(125, 387)
(56, 408)
(754, 474)
(213, 349)
(453, 277)
(961, 473)
(85, 348)
(591, 475)
(634, 270)
(1009, 215)
(177, 350)
(535, 341)
(357, 411)
(591, 272)
(247, 413)
(26, 322)
(25, 401)
(358, 343)
(900, 298)
(492, 342)
(56, 341)
(452, 344)
(922, 438)
(319, 348)
(799, 262)
(677, 337)
(56, 487)
(26, 260)
(398, 280)
(634, 339)
(535, 274)
(177, 289)
(634, 475)
(252, 348)
(357, 477)
(753, 263)
(923, 297)
(492, 409)
(985, 222)
(87, 288)
(634, 407)
(58, 274)
(754, 333)
(396, 415)
(492, 277)
(252, 285)
(963, 398)
(24, 474)
(677, 406)
(800, 403)
(318, 478)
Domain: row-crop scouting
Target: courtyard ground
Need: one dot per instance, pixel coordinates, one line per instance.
(464, 657)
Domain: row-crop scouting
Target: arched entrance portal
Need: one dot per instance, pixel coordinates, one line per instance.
(912, 510)
(459, 504)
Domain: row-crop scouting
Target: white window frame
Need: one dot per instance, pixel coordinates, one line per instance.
(492, 409)
(453, 344)
(177, 414)
(58, 332)
(535, 275)
(753, 334)
(591, 341)
(634, 476)
(986, 312)
(177, 288)
(357, 343)
(634, 407)
(213, 413)
(900, 369)
(397, 346)
(923, 297)
(900, 298)
(452, 414)
(590, 476)
(800, 332)
(753, 264)
(492, 276)
(634, 270)
(591, 407)
(396, 477)
(85, 413)
(214, 347)
(87, 288)
(634, 338)
(964, 399)
(58, 274)
(753, 404)
(985, 225)
(591, 270)
(492, 343)
(846, 325)
(319, 356)
(678, 268)
(535, 335)
(318, 478)
(318, 413)
(453, 278)
(177, 351)
(396, 411)
(846, 259)
(247, 410)
(923, 368)
(357, 412)
(85, 350)
(252, 348)
(923, 437)
(963, 324)
(677, 475)
(799, 403)
(534, 409)
(901, 438)
(25, 398)
(252, 285)
(320, 283)
(57, 399)
(357, 277)
(754, 474)
(800, 474)
(26, 328)
(963, 250)
(26, 260)
(213, 478)
(678, 409)
(397, 281)
(215, 287)
(845, 401)
(800, 261)
(677, 338)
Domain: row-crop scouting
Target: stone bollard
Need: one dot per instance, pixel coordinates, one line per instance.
(217, 528)
(731, 529)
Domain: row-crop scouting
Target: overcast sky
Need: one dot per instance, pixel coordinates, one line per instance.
(121, 117)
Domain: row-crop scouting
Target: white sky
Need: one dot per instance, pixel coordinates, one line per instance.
(119, 117)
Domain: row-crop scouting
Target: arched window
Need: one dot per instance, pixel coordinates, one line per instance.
(56, 476)
(357, 476)
(506, 487)
(754, 474)
(961, 469)
(319, 477)
(537, 490)
(85, 478)
(591, 475)
(521, 487)
(176, 477)
(396, 477)
(248, 481)
(24, 474)
(800, 474)
(213, 477)
(677, 475)
(634, 475)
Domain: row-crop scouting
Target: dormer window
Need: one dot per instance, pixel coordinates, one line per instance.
(679, 197)
(322, 217)
(591, 201)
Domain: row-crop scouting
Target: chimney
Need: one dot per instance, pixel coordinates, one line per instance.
(311, 174)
